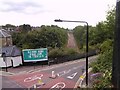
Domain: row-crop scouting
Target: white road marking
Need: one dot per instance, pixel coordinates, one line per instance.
(32, 78)
(67, 71)
(58, 86)
(72, 76)
(61, 73)
(65, 64)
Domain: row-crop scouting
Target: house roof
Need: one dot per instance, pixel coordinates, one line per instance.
(4, 33)
(10, 51)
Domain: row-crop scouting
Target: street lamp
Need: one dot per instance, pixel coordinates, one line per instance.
(59, 20)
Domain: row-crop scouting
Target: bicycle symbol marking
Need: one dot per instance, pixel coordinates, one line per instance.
(58, 86)
(32, 78)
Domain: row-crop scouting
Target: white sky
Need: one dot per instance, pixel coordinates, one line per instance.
(43, 12)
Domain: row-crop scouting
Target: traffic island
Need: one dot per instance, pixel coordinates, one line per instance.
(53, 76)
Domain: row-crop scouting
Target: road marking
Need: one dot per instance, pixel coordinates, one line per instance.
(35, 77)
(72, 76)
(65, 64)
(58, 86)
(82, 77)
(56, 66)
(67, 71)
(61, 73)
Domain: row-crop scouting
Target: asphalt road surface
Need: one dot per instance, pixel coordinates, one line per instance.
(66, 75)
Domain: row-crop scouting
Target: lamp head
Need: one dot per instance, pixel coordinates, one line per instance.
(58, 20)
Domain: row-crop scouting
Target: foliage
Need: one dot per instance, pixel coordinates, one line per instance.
(25, 28)
(105, 81)
(47, 36)
(105, 29)
(61, 52)
(105, 38)
(106, 45)
(110, 23)
(97, 35)
(18, 39)
(105, 59)
(79, 34)
(104, 65)
(9, 27)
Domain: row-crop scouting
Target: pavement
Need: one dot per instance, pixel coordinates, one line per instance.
(6, 73)
(81, 83)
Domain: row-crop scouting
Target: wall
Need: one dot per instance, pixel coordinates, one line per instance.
(8, 60)
(17, 61)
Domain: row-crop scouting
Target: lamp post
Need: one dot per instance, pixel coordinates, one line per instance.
(59, 20)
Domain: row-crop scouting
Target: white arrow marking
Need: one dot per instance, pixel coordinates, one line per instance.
(72, 76)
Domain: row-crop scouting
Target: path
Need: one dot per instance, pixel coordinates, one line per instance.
(71, 41)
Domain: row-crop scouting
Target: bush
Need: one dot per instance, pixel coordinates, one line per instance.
(61, 52)
(104, 65)
(56, 53)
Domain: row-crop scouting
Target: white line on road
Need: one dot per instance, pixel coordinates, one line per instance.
(62, 64)
(58, 86)
(72, 76)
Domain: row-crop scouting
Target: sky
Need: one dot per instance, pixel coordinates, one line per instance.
(44, 12)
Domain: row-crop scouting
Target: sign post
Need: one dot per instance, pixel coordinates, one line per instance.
(34, 55)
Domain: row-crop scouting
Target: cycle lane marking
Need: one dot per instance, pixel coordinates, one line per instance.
(59, 82)
(58, 86)
(33, 78)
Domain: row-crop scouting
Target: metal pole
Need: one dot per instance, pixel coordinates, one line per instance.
(87, 36)
(87, 55)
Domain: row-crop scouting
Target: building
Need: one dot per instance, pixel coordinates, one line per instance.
(5, 38)
(12, 56)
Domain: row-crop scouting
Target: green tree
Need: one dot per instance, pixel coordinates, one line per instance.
(104, 62)
(110, 23)
(25, 28)
(79, 34)
(47, 36)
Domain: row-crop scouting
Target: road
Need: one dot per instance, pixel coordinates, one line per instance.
(67, 75)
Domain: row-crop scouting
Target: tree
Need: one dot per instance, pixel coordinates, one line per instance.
(110, 23)
(25, 28)
(104, 62)
(79, 34)
(47, 36)
(9, 27)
